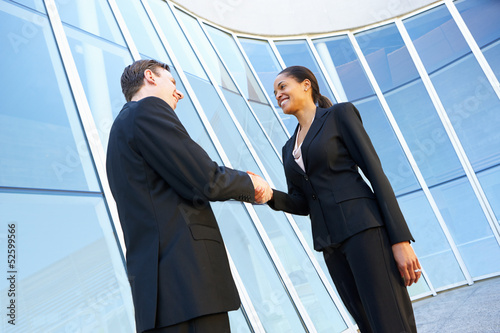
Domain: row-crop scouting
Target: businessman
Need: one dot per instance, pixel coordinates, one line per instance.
(163, 182)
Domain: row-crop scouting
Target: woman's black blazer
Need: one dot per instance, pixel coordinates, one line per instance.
(331, 189)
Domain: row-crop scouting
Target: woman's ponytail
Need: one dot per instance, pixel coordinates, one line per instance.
(324, 102)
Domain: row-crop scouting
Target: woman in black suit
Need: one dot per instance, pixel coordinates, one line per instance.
(361, 232)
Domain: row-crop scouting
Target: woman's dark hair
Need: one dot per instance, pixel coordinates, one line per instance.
(300, 73)
(133, 76)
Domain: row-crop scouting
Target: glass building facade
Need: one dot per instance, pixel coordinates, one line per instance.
(426, 84)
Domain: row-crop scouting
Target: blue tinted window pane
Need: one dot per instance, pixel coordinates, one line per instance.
(424, 133)
(175, 37)
(256, 270)
(312, 292)
(298, 53)
(468, 227)
(490, 181)
(144, 35)
(190, 119)
(267, 67)
(69, 271)
(394, 162)
(41, 139)
(33, 4)
(249, 86)
(481, 17)
(387, 56)
(100, 65)
(431, 246)
(212, 61)
(92, 16)
(236, 64)
(341, 61)
(472, 104)
(264, 62)
(436, 29)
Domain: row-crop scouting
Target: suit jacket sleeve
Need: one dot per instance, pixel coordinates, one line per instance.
(363, 153)
(167, 147)
(293, 202)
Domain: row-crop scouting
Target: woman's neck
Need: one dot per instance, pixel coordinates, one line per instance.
(306, 115)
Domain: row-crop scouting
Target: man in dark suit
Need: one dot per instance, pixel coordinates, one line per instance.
(162, 182)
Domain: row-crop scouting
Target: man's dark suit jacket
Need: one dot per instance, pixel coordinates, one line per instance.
(162, 182)
(331, 190)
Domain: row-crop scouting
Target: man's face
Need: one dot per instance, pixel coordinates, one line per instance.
(167, 89)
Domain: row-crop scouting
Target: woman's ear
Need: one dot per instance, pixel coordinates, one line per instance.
(306, 84)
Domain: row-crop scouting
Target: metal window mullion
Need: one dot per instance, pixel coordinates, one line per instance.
(476, 50)
(252, 316)
(253, 214)
(222, 98)
(448, 126)
(333, 295)
(124, 30)
(248, 308)
(254, 73)
(238, 88)
(85, 113)
(323, 69)
(92, 135)
(261, 85)
(277, 53)
(410, 158)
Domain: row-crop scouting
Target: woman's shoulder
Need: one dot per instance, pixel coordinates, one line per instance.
(344, 111)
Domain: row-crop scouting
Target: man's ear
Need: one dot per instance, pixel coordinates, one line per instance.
(149, 76)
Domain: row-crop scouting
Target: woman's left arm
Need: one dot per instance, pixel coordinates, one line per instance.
(364, 155)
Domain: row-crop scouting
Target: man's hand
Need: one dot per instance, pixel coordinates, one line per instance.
(407, 262)
(263, 192)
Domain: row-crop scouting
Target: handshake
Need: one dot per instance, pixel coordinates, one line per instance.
(263, 192)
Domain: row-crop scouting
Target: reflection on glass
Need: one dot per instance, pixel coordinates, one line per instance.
(145, 38)
(41, 139)
(263, 285)
(238, 322)
(433, 250)
(468, 226)
(93, 16)
(70, 272)
(472, 103)
(249, 86)
(236, 64)
(343, 65)
(491, 186)
(424, 133)
(387, 56)
(100, 65)
(267, 67)
(395, 164)
(33, 4)
(212, 61)
(178, 42)
(481, 18)
(312, 292)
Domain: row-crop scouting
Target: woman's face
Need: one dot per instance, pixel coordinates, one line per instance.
(290, 94)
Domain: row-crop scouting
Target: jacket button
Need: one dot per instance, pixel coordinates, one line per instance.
(314, 196)
(306, 178)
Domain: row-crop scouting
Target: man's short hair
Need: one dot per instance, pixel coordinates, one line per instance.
(133, 76)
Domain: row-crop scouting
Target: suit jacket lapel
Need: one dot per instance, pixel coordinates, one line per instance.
(288, 158)
(319, 120)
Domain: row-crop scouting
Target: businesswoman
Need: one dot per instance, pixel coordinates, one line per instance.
(361, 232)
